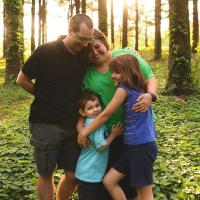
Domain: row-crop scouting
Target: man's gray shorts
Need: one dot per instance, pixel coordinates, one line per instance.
(54, 146)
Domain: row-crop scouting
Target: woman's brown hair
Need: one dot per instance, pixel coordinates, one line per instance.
(128, 66)
(100, 36)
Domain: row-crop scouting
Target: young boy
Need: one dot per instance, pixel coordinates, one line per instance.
(92, 162)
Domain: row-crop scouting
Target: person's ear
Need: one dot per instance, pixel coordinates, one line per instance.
(82, 112)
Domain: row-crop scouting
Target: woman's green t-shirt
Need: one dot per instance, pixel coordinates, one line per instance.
(103, 85)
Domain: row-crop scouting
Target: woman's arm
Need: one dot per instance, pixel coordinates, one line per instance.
(145, 100)
(116, 101)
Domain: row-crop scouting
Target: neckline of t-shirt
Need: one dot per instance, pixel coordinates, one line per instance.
(106, 73)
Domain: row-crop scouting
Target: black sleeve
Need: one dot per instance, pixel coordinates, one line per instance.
(33, 65)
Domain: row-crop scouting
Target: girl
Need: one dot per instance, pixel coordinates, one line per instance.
(140, 149)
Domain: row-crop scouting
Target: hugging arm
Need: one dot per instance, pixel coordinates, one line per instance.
(115, 132)
(145, 100)
(116, 101)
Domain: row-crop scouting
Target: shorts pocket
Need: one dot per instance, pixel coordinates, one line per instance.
(43, 153)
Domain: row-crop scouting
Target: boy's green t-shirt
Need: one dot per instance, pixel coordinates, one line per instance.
(103, 85)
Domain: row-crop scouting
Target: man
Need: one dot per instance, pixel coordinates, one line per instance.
(58, 68)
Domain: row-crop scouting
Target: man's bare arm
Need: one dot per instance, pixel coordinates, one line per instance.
(25, 82)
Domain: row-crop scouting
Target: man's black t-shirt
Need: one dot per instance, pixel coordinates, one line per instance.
(58, 77)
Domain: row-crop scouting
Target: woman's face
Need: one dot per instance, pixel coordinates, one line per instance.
(98, 52)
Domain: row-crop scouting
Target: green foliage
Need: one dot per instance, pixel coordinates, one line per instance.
(176, 171)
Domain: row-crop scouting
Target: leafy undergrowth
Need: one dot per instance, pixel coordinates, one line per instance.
(176, 171)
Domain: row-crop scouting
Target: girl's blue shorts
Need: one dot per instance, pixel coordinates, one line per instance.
(136, 162)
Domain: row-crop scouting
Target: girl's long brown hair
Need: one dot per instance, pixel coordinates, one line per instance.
(128, 66)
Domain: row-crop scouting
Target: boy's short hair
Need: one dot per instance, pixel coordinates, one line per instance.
(88, 95)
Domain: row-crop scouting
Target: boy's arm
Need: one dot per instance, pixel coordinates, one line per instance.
(116, 101)
(116, 130)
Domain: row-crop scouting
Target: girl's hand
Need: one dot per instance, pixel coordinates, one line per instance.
(117, 129)
(83, 141)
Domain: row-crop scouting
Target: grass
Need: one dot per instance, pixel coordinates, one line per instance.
(176, 171)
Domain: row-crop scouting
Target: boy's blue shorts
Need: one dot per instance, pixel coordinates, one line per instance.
(136, 162)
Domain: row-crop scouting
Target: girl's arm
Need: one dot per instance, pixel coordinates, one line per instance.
(116, 101)
(79, 125)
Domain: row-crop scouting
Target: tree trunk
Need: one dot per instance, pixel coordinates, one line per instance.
(102, 16)
(70, 9)
(179, 65)
(112, 26)
(83, 6)
(195, 35)
(136, 24)
(146, 32)
(15, 47)
(39, 22)
(44, 21)
(124, 25)
(77, 5)
(157, 48)
(33, 26)
(5, 34)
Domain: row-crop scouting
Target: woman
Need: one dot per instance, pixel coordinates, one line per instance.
(98, 79)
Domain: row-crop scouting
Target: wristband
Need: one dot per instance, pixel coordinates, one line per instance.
(153, 96)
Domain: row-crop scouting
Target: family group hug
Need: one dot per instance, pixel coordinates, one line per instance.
(91, 116)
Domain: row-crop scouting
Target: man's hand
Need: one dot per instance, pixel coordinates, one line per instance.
(143, 103)
(117, 129)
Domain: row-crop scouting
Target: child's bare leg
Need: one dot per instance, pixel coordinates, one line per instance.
(145, 193)
(111, 181)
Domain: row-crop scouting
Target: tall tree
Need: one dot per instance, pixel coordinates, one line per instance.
(44, 21)
(124, 25)
(77, 5)
(157, 45)
(39, 22)
(5, 34)
(33, 26)
(146, 31)
(102, 16)
(83, 6)
(112, 25)
(15, 47)
(195, 34)
(70, 9)
(179, 69)
(136, 24)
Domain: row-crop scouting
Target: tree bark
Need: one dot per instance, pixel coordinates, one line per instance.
(136, 24)
(15, 47)
(77, 5)
(102, 16)
(83, 6)
(5, 34)
(39, 22)
(33, 26)
(70, 9)
(179, 65)
(124, 25)
(195, 34)
(157, 48)
(112, 25)
(44, 21)
(146, 32)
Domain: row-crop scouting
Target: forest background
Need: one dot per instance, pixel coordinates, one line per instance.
(166, 34)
